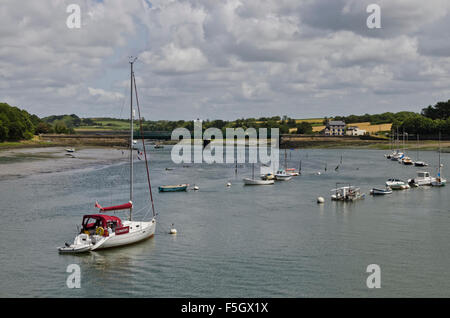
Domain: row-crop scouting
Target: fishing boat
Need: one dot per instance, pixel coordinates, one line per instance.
(397, 184)
(423, 179)
(253, 181)
(439, 181)
(173, 188)
(99, 231)
(377, 191)
(347, 193)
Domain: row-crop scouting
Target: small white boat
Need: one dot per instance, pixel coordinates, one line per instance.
(439, 181)
(420, 164)
(397, 156)
(292, 172)
(281, 175)
(397, 184)
(249, 181)
(376, 191)
(70, 149)
(423, 179)
(253, 181)
(407, 161)
(347, 193)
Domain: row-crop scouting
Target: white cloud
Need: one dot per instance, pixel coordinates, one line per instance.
(224, 59)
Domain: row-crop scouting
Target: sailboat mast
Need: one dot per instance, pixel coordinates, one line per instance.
(132, 60)
(439, 175)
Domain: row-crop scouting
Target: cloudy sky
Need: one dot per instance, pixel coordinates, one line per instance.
(224, 59)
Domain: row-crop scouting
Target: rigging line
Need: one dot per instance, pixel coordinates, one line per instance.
(143, 146)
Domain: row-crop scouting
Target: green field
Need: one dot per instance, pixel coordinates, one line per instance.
(108, 124)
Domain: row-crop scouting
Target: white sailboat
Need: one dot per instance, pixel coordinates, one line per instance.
(99, 231)
(253, 181)
(439, 181)
(419, 163)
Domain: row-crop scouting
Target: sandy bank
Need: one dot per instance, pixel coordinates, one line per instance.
(18, 163)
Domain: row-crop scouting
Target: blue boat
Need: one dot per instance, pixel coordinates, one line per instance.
(173, 188)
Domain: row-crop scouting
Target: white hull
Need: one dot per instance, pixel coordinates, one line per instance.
(279, 177)
(138, 231)
(248, 181)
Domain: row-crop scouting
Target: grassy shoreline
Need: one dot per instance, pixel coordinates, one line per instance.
(426, 145)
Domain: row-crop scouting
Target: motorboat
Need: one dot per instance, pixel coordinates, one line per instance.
(70, 149)
(281, 175)
(173, 188)
(407, 161)
(377, 191)
(347, 193)
(423, 179)
(420, 164)
(268, 176)
(99, 231)
(397, 184)
(397, 156)
(292, 172)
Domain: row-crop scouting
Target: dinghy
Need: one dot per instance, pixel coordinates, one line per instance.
(376, 191)
(173, 188)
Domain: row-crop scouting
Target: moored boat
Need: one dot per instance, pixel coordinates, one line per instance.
(173, 188)
(423, 179)
(250, 181)
(397, 184)
(347, 193)
(281, 175)
(376, 191)
(101, 230)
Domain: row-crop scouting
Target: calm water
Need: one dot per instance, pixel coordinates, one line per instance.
(268, 241)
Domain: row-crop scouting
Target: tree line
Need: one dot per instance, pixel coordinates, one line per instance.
(18, 124)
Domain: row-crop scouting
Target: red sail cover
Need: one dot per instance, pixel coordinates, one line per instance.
(128, 205)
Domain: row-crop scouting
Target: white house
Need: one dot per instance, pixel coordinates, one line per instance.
(355, 131)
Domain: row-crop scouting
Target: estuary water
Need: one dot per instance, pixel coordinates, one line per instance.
(241, 241)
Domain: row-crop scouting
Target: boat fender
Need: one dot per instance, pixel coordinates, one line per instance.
(100, 231)
(320, 200)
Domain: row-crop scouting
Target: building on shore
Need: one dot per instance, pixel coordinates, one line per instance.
(354, 131)
(335, 128)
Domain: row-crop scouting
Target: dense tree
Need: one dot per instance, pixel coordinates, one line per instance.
(304, 128)
(439, 111)
(15, 124)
